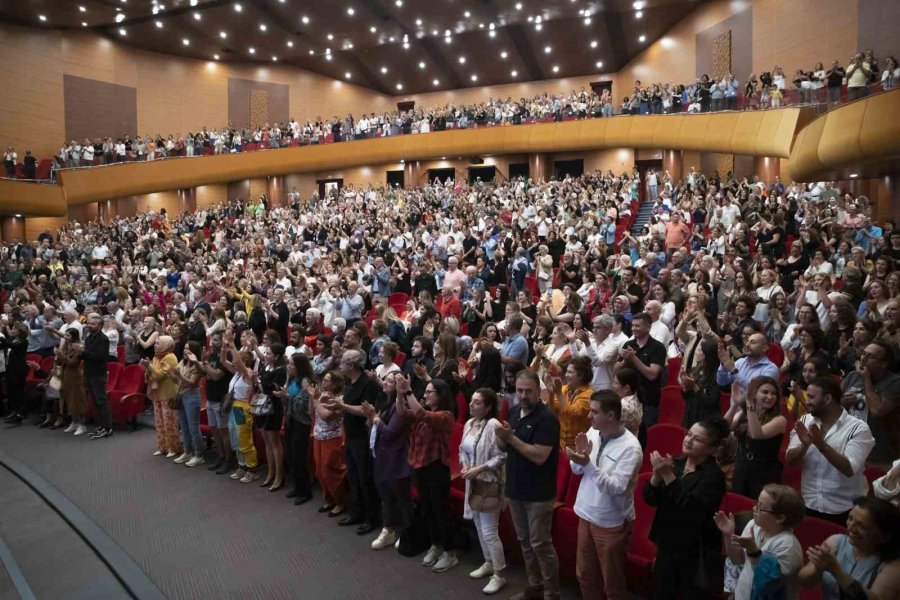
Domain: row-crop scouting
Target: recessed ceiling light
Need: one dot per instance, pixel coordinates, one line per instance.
(18, 215)
(539, 19)
(42, 18)
(556, 68)
(215, 57)
(514, 73)
(462, 60)
(82, 9)
(119, 17)
(347, 75)
(84, 24)
(538, 27)
(491, 27)
(186, 42)
(492, 33)
(638, 14)
(518, 6)
(448, 39)
(327, 57)
(327, 50)
(373, 29)
(547, 49)
(406, 45)
(594, 44)
(530, 18)
(638, 5)
(398, 3)
(330, 36)
(122, 31)
(422, 65)
(305, 20)
(238, 7)
(274, 59)
(223, 35)
(854, 175)
(504, 54)
(474, 77)
(399, 86)
(197, 16)
(262, 27)
(384, 69)
(251, 50)
(419, 22)
(391, 39)
(467, 14)
(436, 82)
(643, 38)
(599, 64)
(159, 24)
(587, 20)
(311, 52)
(435, 32)
(349, 46)
(350, 11)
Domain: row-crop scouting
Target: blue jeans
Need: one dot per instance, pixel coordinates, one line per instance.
(189, 422)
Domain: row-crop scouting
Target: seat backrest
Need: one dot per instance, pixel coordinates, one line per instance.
(671, 405)
(34, 358)
(131, 380)
(462, 409)
(665, 438)
(643, 519)
(735, 503)
(114, 371)
(400, 359)
(775, 353)
(563, 472)
(455, 440)
(672, 367)
(813, 531)
(47, 364)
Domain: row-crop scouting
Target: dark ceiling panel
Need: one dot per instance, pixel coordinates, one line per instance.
(417, 42)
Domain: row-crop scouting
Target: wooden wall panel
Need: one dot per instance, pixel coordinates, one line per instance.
(258, 187)
(170, 200)
(35, 226)
(211, 195)
(95, 109)
(83, 213)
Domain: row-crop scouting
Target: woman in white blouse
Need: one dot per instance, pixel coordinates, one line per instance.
(482, 460)
(768, 288)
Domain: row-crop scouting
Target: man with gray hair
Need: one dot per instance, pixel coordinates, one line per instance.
(658, 330)
(602, 347)
(94, 355)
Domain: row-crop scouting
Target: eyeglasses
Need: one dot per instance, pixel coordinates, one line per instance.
(758, 508)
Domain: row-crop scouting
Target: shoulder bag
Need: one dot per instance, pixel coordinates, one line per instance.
(261, 405)
(484, 496)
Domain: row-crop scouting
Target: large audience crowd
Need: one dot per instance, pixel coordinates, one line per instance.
(771, 89)
(460, 338)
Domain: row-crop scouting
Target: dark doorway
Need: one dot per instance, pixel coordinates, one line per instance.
(598, 86)
(442, 174)
(518, 170)
(406, 106)
(486, 174)
(329, 186)
(571, 168)
(642, 167)
(395, 179)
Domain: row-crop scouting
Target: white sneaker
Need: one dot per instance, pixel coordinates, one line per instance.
(80, 430)
(249, 477)
(446, 562)
(238, 474)
(195, 460)
(170, 455)
(494, 585)
(182, 459)
(72, 427)
(384, 539)
(431, 556)
(482, 571)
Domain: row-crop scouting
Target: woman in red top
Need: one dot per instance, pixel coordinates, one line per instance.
(429, 456)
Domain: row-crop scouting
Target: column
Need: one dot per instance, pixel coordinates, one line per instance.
(411, 173)
(276, 192)
(540, 166)
(108, 209)
(12, 229)
(673, 162)
(766, 168)
(187, 200)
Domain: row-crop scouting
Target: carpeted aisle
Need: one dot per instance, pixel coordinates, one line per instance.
(202, 536)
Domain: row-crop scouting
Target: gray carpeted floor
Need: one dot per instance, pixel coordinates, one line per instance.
(202, 536)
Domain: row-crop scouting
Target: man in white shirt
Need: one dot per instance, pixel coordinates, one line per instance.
(609, 457)
(602, 347)
(658, 330)
(831, 446)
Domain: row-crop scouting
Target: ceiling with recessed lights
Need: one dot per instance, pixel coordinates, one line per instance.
(393, 46)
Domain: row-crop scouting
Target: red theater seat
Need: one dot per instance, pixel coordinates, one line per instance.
(671, 405)
(665, 439)
(641, 551)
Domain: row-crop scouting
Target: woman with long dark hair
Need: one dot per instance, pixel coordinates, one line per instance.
(273, 376)
(295, 395)
(759, 428)
(189, 373)
(700, 391)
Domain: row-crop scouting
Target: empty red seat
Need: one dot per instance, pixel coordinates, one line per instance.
(671, 405)
(400, 359)
(565, 534)
(127, 400)
(775, 353)
(665, 439)
(114, 370)
(462, 409)
(672, 367)
(641, 551)
(398, 298)
(734, 503)
(47, 364)
(120, 352)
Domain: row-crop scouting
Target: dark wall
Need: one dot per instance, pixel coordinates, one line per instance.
(96, 109)
(239, 92)
(741, 27)
(878, 21)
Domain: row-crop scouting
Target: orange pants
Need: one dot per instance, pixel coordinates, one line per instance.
(330, 469)
(166, 421)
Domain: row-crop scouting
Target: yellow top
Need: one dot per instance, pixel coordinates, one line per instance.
(573, 418)
(160, 381)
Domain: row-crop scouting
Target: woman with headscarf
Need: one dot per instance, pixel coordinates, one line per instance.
(162, 387)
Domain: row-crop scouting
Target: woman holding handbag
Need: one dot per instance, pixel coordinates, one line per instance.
(482, 463)
(189, 373)
(268, 413)
(71, 381)
(162, 388)
(296, 398)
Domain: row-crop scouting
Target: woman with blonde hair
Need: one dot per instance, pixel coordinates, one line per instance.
(162, 387)
(71, 392)
(189, 374)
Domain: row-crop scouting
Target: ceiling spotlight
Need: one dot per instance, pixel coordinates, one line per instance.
(251, 50)
(327, 57)
(193, 3)
(42, 18)
(474, 78)
(311, 52)
(122, 31)
(384, 69)
(587, 20)
(638, 5)
(159, 24)
(223, 35)
(514, 73)
(418, 22)
(642, 39)
(539, 19)
(82, 9)
(349, 46)
(84, 24)
(547, 49)
(119, 17)
(262, 27)
(305, 20)
(422, 65)
(492, 33)
(373, 29)
(347, 75)
(530, 18)
(538, 27)
(406, 45)
(462, 60)
(197, 16)
(435, 32)
(638, 14)
(399, 86)
(330, 36)
(436, 82)
(398, 3)
(350, 11)
(238, 8)
(467, 14)
(594, 44)
(290, 44)
(327, 50)
(215, 57)
(556, 68)
(391, 39)
(448, 39)
(274, 59)
(599, 64)
(504, 54)
(18, 215)
(518, 6)
(854, 175)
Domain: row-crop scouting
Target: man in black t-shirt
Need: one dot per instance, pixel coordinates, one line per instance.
(218, 380)
(647, 356)
(531, 439)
